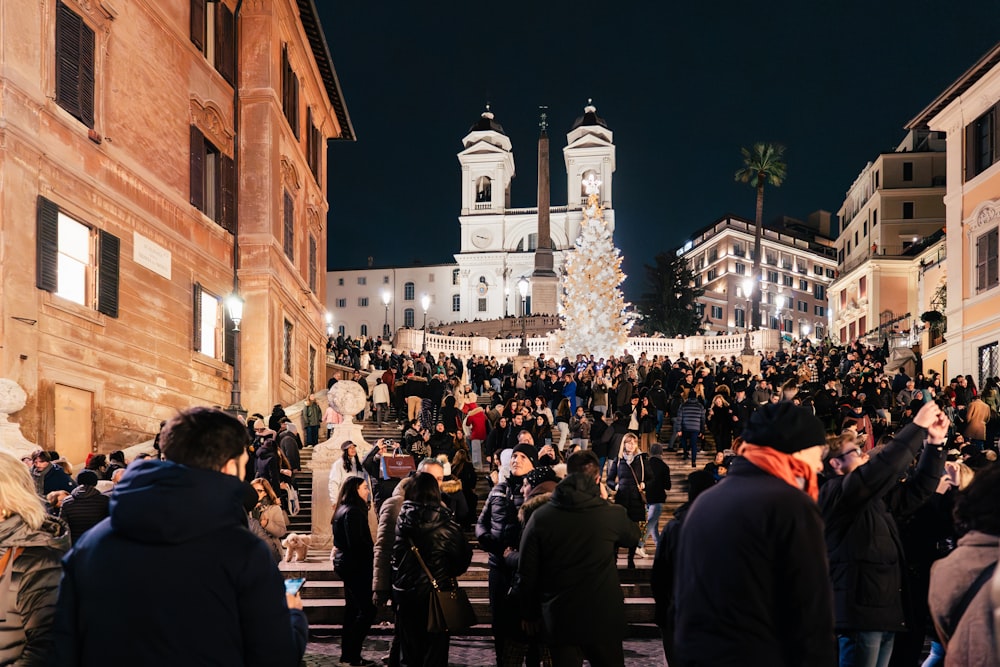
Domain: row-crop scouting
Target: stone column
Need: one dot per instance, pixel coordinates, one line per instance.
(12, 399)
(348, 398)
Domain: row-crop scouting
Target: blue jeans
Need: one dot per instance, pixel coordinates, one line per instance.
(653, 522)
(659, 423)
(865, 649)
(936, 657)
(689, 443)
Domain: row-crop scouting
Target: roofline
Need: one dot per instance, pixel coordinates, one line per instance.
(321, 52)
(962, 84)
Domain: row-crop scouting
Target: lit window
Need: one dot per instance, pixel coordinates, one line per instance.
(74, 255)
(208, 323)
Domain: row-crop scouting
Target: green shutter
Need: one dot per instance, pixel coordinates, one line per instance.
(197, 169)
(108, 247)
(196, 317)
(47, 246)
(228, 337)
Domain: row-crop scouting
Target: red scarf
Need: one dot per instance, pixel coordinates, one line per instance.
(783, 466)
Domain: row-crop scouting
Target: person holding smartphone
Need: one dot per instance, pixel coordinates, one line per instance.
(353, 561)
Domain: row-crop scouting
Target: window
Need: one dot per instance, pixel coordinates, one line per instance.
(772, 277)
(713, 254)
(364, 329)
(907, 171)
(74, 65)
(481, 306)
(787, 281)
(65, 258)
(817, 270)
(819, 311)
(803, 307)
(362, 280)
(286, 348)
(773, 322)
(819, 292)
(864, 228)
(289, 92)
(907, 210)
(830, 273)
(697, 281)
(712, 275)
(738, 250)
(980, 144)
(408, 292)
(739, 318)
(341, 330)
(312, 368)
(772, 259)
(989, 362)
(408, 318)
(213, 30)
(341, 303)
(484, 189)
(340, 282)
(876, 179)
(716, 312)
(986, 260)
(804, 285)
(874, 217)
(362, 302)
(454, 277)
(843, 299)
(855, 237)
(430, 277)
(209, 314)
(456, 303)
(312, 263)
(288, 238)
(741, 269)
(385, 280)
(314, 147)
(862, 287)
(213, 181)
(788, 301)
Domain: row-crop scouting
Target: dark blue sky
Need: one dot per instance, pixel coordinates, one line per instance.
(682, 85)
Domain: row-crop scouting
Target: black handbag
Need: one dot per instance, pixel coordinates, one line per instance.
(447, 611)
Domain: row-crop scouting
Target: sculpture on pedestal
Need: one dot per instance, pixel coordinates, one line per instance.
(13, 399)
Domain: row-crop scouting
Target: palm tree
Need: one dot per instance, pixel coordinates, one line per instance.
(761, 164)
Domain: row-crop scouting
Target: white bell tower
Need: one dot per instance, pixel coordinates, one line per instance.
(589, 152)
(487, 167)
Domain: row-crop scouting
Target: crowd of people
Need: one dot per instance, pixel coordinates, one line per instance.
(845, 516)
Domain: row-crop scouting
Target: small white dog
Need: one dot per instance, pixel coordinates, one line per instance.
(296, 547)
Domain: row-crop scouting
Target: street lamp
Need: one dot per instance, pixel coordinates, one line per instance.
(522, 287)
(506, 299)
(234, 304)
(386, 298)
(747, 291)
(781, 328)
(805, 331)
(425, 301)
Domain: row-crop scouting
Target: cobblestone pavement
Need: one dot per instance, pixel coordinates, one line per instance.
(472, 651)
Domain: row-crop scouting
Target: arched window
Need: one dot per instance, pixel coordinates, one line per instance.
(482, 279)
(341, 330)
(408, 291)
(456, 303)
(484, 189)
(408, 318)
(364, 329)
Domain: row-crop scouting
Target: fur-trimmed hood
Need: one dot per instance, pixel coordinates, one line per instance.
(451, 486)
(530, 505)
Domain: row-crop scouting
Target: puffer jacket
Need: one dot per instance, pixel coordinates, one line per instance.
(691, 416)
(626, 478)
(498, 527)
(442, 546)
(355, 550)
(29, 589)
(83, 509)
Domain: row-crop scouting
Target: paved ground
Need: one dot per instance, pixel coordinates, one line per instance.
(474, 651)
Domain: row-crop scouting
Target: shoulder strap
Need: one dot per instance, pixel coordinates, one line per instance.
(8, 559)
(970, 594)
(416, 552)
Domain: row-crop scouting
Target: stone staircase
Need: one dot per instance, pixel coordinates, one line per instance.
(323, 594)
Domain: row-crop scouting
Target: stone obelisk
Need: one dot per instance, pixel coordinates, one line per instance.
(544, 282)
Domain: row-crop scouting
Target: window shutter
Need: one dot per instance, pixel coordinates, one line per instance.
(197, 168)
(85, 75)
(228, 338)
(992, 259)
(312, 263)
(47, 246)
(227, 182)
(970, 150)
(310, 138)
(225, 43)
(108, 247)
(68, 29)
(199, 23)
(196, 316)
(288, 240)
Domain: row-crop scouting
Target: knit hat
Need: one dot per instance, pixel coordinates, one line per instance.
(785, 427)
(527, 450)
(539, 475)
(87, 478)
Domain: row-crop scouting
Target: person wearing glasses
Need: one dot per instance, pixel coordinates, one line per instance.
(862, 539)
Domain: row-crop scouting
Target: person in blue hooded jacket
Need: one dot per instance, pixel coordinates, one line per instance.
(196, 586)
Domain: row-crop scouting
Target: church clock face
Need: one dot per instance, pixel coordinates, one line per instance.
(481, 238)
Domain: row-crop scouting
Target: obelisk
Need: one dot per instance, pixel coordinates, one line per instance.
(544, 282)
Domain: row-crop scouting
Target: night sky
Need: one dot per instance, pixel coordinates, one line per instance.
(682, 85)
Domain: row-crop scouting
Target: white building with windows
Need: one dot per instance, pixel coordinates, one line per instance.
(496, 242)
(796, 273)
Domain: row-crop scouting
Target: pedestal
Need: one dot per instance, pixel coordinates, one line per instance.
(750, 363)
(324, 456)
(12, 441)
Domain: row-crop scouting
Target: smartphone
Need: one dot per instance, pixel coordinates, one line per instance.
(293, 586)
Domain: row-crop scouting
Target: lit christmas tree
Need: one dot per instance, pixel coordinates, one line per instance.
(592, 307)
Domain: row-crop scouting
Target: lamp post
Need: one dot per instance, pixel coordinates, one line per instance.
(506, 300)
(805, 331)
(747, 291)
(386, 298)
(425, 301)
(522, 287)
(781, 329)
(234, 304)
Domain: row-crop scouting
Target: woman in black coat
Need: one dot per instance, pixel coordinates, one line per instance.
(426, 524)
(353, 561)
(628, 475)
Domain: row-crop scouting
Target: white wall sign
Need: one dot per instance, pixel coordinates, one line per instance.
(153, 256)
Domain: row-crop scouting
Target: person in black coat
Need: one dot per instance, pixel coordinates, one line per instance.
(85, 506)
(761, 527)
(628, 475)
(657, 484)
(865, 551)
(353, 561)
(424, 523)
